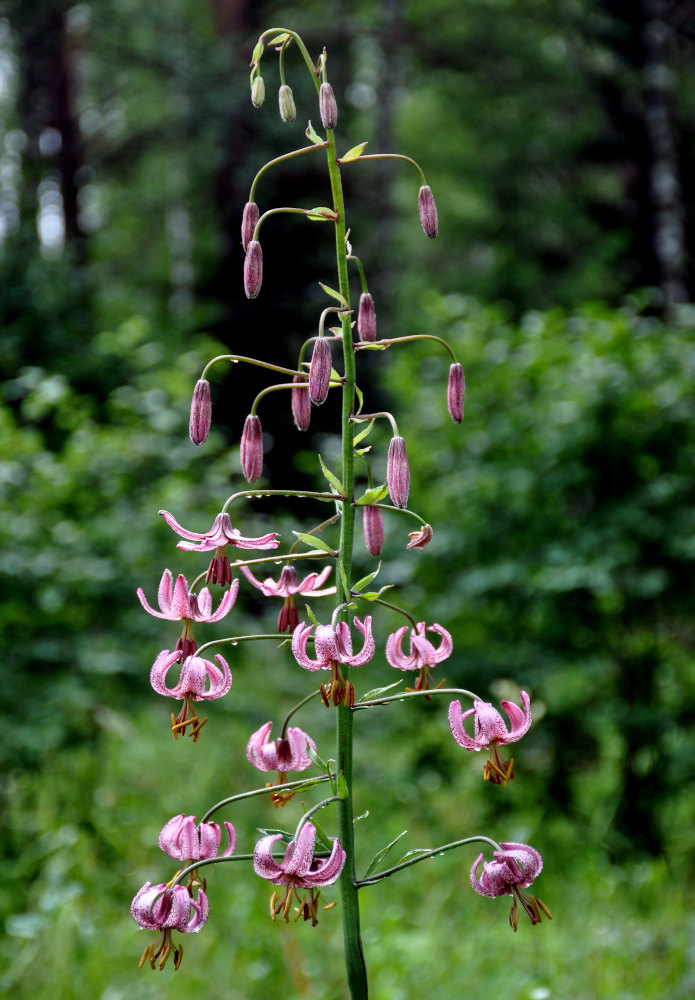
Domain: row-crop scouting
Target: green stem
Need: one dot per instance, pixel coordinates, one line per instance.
(283, 385)
(309, 782)
(251, 361)
(279, 159)
(301, 704)
(414, 694)
(428, 854)
(392, 156)
(354, 956)
(412, 336)
(276, 493)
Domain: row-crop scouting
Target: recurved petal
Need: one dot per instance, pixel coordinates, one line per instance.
(225, 605)
(300, 852)
(231, 833)
(368, 647)
(394, 650)
(446, 646)
(257, 749)
(298, 741)
(180, 601)
(520, 720)
(528, 859)
(220, 680)
(201, 909)
(169, 836)
(193, 536)
(141, 906)
(158, 673)
(264, 864)
(481, 887)
(458, 731)
(300, 637)
(328, 870)
(489, 724)
(325, 644)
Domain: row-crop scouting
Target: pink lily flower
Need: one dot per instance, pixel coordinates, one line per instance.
(422, 655)
(287, 586)
(196, 674)
(515, 868)
(420, 538)
(176, 602)
(491, 731)
(282, 755)
(181, 839)
(220, 535)
(299, 869)
(333, 646)
(156, 907)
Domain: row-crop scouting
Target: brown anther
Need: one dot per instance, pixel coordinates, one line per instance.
(514, 916)
(329, 906)
(178, 956)
(272, 905)
(145, 955)
(544, 908)
(325, 695)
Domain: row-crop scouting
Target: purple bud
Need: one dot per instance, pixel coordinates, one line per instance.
(301, 404)
(366, 318)
(257, 92)
(328, 106)
(397, 472)
(373, 527)
(252, 448)
(253, 269)
(201, 412)
(320, 371)
(248, 222)
(455, 392)
(288, 111)
(428, 211)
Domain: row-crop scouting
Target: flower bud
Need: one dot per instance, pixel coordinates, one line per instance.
(328, 106)
(257, 92)
(373, 527)
(398, 472)
(366, 318)
(288, 111)
(253, 269)
(420, 538)
(428, 211)
(320, 371)
(301, 404)
(248, 222)
(455, 392)
(201, 412)
(252, 448)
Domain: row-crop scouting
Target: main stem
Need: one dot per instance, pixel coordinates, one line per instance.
(354, 957)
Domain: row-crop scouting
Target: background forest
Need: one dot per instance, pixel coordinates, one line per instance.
(559, 139)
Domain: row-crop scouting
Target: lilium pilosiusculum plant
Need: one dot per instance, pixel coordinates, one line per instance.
(490, 730)
(220, 535)
(287, 586)
(514, 869)
(333, 647)
(299, 869)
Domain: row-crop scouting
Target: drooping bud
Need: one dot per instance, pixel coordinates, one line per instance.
(373, 527)
(455, 392)
(328, 106)
(201, 412)
(420, 538)
(428, 211)
(248, 222)
(288, 111)
(252, 448)
(398, 472)
(366, 318)
(301, 404)
(257, 92)
(253, 269)
(320, 371)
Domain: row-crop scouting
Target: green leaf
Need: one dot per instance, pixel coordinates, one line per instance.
(354, 153)
(411, 854)
(321, 836)
(363, 451)
(322, 214)
(271, 831)
(315, 543)
(332, 478)
(342, 786)
(258, 51)
(372, 595)
(310, 613)
(365, 345)
(319, 761)
(312, 136)
(372, 496)
(365, 580)
(360, 398)
(362, 434)
(335, 295)
(377, 692)
(380, 855)
(343, 577)
(280, 39)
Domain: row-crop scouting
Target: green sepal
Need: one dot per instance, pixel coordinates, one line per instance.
(332, 479)
(258, 51)
(335, 295)
(372, 496)
(280, 39)
(315, 543)
(360, 398)
(382, 854)
(313, 136)
(377, 692)
(354, 153)
(322, 214)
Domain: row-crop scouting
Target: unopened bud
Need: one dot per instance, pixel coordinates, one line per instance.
(420, 538)
(456, 390)
(366, 318)
(248, 222)
(301, 404)
(252, 449)
(253, 269)
(328, 106)
(398, 472)
(320, 371)
(428, 211)
(257, 92)
(373, 527)
(288, 111)
(201, 412)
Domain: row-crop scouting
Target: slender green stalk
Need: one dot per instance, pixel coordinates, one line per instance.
(428, 854)
(414, 694)
(279, 159)
(354, 957)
